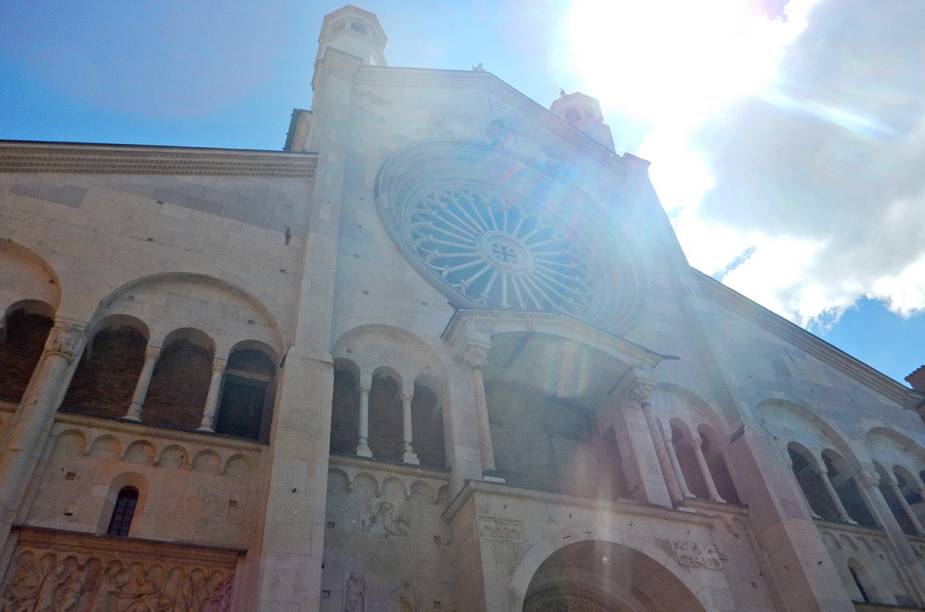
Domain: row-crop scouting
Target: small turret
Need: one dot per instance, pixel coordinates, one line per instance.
(352, 30)
(583, 112)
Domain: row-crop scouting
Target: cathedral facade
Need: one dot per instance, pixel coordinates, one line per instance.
(441, 352)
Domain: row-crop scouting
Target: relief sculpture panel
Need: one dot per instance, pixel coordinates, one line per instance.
(71, 573)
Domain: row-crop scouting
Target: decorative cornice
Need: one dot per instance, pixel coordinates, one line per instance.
(32, 157)
(802, 339)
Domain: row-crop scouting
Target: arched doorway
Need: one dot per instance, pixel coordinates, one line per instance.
(596, 576)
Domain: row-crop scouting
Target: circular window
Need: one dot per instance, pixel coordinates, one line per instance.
(499, 252)
(490, 229)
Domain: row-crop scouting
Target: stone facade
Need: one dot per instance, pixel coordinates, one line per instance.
(443, 352)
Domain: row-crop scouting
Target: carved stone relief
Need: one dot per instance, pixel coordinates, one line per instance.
(563, 603)
(69, 573)
(355, 593)
(500, 529)
(407, 597)
(383, 518)
(693, 554)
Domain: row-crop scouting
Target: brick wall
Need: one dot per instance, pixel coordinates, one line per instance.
(179, 387)
(106, 376)
(20, 349)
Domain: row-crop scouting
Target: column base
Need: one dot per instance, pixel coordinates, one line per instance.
(410, 458)
(205, 428)
(364, 451)
(130, 418)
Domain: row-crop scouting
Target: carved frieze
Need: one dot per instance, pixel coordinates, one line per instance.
(492, 528)
(67, 572)
(694, 554)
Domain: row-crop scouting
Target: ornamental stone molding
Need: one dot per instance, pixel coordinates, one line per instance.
(491, 230)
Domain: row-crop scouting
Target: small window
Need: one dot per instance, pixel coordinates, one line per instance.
(338, 26)
(358, 27)
(123, 512)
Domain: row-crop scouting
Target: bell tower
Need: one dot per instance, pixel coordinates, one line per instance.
(352, 30)
(584, 113)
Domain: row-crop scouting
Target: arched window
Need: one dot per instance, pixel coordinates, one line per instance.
(123, 512)
(345, 407)
(683, 444)
(385, 416)
(108, 370)
(23, 332)
(810, 481)
(892, 500)
(846, 488)
(716, 463)
(427, 425)
(180, 382)
(247, 395)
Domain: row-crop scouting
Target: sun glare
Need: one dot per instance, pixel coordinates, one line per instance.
(676, 61)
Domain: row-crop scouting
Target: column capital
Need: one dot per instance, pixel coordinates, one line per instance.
(152, 351)
(405, 397)
(642, 390)
(867, 477)
(219, 365)
(64, 338)
(474, 354)
(366, 382)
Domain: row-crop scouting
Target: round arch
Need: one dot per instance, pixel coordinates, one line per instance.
(120, 301)
(835, 438)
(540, 552)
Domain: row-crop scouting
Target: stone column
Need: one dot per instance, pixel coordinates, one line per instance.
(141, 387)
(476, 356)
(363, 450)
(409, 455)
(34, 417)
(830, 487)
(215, 391)
(894, 486)
(675, 463)
(697, 446)
(644, 395)
(868, 481)
(634, 427)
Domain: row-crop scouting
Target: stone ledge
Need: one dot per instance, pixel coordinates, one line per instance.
(69, 541)
(33, 157)
(617, 506)
(395, 468)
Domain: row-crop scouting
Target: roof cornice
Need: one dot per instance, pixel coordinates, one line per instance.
(71, 158)
(802, 339)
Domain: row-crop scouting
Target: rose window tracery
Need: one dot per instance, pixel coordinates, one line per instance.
(498, 252)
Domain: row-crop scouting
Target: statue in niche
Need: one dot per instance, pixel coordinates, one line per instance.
(355, 593)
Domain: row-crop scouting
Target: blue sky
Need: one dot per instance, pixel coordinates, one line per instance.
(787, 138)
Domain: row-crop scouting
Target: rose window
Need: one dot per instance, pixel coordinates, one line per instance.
(496, 251)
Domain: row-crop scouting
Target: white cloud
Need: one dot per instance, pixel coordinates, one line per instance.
(789, 151)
